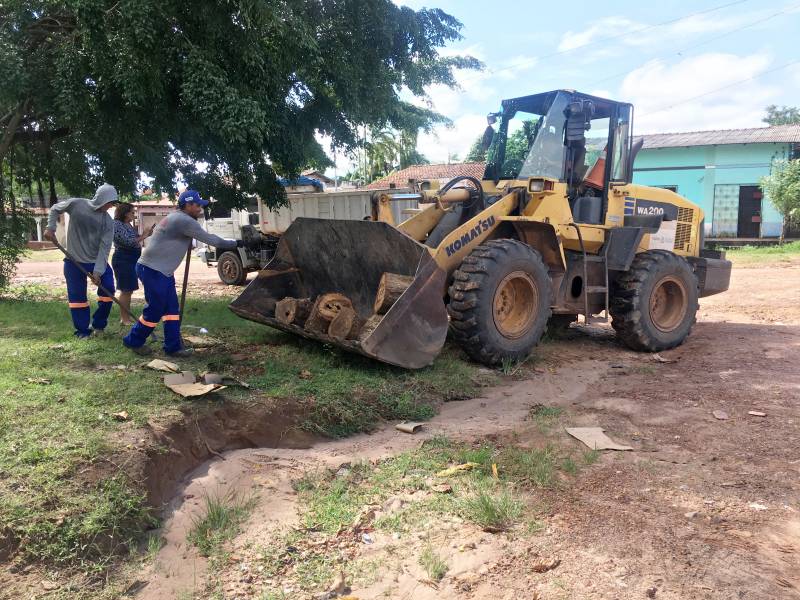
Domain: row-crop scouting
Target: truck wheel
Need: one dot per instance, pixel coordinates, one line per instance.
(230, 269)
(654, 304)
(500, 301)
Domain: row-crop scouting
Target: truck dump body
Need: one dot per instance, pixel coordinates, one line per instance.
(322, 256)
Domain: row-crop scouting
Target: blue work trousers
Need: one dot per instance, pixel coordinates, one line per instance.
(162, 304)
(79, 303)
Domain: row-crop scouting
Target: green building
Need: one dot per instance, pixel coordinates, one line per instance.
(719, 171)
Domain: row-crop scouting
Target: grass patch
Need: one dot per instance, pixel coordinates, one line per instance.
(590, 456)
(545, 416)
(223, 517)
(493, 511)
(61, 492)
(764, 254)
(435, 566)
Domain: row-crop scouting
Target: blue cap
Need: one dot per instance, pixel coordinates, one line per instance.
(191, 196)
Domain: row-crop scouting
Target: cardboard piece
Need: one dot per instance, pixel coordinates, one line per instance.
(162, 365)
(409, 427)
(201, 341)
(595, 439)
(186, 384)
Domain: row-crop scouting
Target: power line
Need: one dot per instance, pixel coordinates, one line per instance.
(621, 35)
(724, 87)
(687, 48)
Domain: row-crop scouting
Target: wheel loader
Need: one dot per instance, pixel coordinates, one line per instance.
(554, 230)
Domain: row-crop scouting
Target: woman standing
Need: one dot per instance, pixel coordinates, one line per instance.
(127, 249)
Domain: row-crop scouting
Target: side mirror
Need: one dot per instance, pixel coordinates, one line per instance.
(487, 139)
(579, 114)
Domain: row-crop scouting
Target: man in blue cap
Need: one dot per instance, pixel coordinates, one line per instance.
(156, 268)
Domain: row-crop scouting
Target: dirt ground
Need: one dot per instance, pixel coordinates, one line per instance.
(702, 507)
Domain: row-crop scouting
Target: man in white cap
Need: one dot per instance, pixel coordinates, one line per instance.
(91, 233)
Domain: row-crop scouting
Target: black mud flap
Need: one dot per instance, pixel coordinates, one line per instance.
(713, 274)
(318, 256)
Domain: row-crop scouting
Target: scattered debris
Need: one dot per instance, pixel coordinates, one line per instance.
(651, 592)
(227, 380)
(495, 474)
(38, 380)
(409, 427)
(203, 341)
(162, 365)
(304, 374)
(339, 585)
(367, 538)
(756, 413)
(757, 506)
(721, 415)
(121, 415)
(442, 488)
(543, 565)
(467, 546)
(660, 359)
(691, 514)
(56, 347)
(457, 469)
(186, 384)
(595, 439)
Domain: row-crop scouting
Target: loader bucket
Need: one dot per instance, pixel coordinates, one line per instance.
(318, 256)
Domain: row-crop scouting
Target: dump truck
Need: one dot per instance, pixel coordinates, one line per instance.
(261, 230)
(554, 232)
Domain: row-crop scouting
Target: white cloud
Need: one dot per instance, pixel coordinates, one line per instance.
(687, 95)
(444, 141)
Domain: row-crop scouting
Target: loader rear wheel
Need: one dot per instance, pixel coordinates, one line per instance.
(230, 269)
(500, 301)
(654, 304)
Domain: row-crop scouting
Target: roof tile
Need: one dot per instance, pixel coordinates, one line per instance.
(401, 178)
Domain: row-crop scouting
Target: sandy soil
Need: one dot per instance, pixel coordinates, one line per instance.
(701, 508)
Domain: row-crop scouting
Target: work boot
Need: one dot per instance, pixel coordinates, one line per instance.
(182, 353)
(141, 350)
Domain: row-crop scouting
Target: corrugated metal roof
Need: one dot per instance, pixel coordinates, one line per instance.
(442, 172)
(755, 135)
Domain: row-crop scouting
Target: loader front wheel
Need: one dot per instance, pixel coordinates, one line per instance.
(654, 304)
(500, 301)
(230, 269)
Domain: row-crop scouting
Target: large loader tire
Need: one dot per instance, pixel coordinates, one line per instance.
(500, 301)
(654, 304)
(230, 269)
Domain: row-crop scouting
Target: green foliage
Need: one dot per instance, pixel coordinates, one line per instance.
(221, 93)
(476, 152)
(14, 228)
(784, 115)
(782, 187)
(494, 510)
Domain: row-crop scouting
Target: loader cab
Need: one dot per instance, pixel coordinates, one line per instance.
(581, 140)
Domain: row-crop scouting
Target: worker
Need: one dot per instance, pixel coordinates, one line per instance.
(156, 268)
(91, 232)
(127, 250)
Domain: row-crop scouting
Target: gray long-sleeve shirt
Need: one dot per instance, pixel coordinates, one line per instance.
(91, 231)
(167, 246)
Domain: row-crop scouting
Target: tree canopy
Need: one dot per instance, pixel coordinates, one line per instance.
(224, 93)
(784, 115)
(782, 187)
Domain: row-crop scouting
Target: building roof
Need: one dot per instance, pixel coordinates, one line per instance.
(441, 172)
(317, 174)
(755, 135)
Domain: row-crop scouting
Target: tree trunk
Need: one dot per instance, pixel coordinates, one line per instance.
(784, 225)
(40, 191)
(293, 310)
(390, 288)
(369, 326)
(325, 308)
(11, 129)
(342, 324)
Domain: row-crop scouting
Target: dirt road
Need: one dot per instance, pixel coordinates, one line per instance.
(704, 506)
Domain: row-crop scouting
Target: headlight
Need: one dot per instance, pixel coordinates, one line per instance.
(536, 185)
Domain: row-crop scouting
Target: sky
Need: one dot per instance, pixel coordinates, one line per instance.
(685, 65)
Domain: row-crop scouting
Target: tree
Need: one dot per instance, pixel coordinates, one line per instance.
(476, 152)
(785, 115)
(105, 89)
(782, 187)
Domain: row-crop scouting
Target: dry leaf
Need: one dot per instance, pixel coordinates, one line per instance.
(457, 469)
(305, 374)
(442, 488)
(121, 415)
(756, 413)
(542, 566)
(38, 380)
(660, 359)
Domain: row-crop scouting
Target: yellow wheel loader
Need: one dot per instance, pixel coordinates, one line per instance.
(554, 230)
